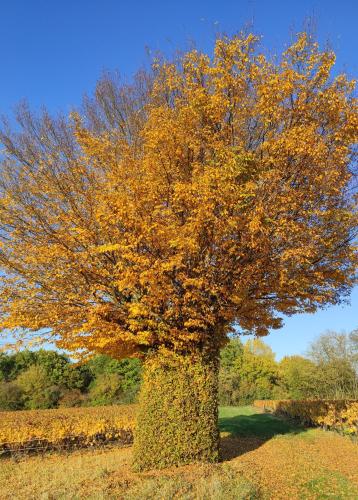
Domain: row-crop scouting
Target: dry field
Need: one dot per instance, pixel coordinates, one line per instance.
(263, 457)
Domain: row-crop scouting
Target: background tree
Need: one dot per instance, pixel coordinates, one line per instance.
(214, 191)
(106, 389)
(59, 380)
(229, 379)
(38, 390)
(258, 372)
(19, 362)
(248, 372)
(353, 340)
(47, 379)
(299, 378)
(11, 396)
(6, 366)
(114, 381)
(335, 355)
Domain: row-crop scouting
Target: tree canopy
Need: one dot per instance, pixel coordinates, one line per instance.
(211, 192)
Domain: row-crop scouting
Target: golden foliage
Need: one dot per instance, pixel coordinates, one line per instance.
(339, 415)
(213, 191)
(65, 428)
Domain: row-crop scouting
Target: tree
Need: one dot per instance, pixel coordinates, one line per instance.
(256, 347)
(229, 379)
(57, 366)
(127, 371)
(7, 363)
(230, 353)
(353, 340)
(19, 362)
(213, 192)
(248, 372)
(335, 356)
(299, 377)
(38, 391)
(258, 372)
(106, 389)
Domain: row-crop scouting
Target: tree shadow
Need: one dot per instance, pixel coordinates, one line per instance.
(244, 433)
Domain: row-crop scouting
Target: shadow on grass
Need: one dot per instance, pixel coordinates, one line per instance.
(244, 433)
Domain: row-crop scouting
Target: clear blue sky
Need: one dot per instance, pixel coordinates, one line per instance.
(54, 51)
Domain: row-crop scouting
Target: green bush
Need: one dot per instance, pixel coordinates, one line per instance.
(106, 389)
(38, 390)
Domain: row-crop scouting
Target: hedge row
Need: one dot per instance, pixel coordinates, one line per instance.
(339, 415)
(66, 428)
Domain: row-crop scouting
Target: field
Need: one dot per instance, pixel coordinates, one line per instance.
(263, 457)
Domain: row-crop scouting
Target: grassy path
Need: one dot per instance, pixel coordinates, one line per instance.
(264, 457)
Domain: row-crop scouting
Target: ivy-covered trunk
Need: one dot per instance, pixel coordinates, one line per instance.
(177, 421)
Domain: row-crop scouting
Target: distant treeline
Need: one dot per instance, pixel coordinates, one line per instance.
(249, 371)
(48, 379)
(329, 371)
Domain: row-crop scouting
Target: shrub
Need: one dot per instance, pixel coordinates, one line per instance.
(340, 415)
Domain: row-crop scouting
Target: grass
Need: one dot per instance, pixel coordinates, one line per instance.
(325, 486)
(263, 457)
(106, 474)
(248, 421)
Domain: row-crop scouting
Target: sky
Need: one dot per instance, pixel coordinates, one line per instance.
(52, 52)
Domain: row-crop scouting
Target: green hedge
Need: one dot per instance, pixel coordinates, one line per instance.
(177, 422)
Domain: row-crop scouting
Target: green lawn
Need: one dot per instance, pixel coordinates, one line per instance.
(248, 421)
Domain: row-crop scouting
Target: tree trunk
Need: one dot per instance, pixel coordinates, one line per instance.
(177, 421)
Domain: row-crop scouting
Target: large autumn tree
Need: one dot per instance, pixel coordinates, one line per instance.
(213, 192)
